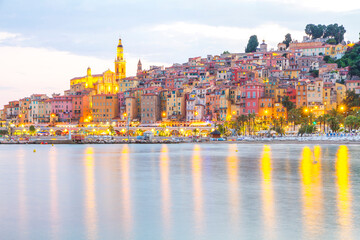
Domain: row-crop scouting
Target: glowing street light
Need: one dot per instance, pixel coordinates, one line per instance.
(164, 114)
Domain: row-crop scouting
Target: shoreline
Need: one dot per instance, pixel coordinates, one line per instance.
(260, 141)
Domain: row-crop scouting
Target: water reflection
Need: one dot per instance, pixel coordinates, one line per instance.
(90, 199)
(232, 171)
(267, 193)
(312, 196)
(344, 196)
(198, 189)
(54, 204)
(126, 192)
(165, 190)
(23, 211)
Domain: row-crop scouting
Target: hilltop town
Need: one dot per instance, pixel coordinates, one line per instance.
(307, 78)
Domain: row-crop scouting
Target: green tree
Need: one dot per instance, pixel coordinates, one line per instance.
(351, 59)
(314, 73)
(351, 122)
(351, 100)
(221, 128)
(253, 43)
(333, 123)
(279, 130)
(226, 52)
(287, 103)
(328, 59)
(294, 116)
(333, 31)
(306, 128)
(315, 31)
(331, 41)
(287, 40)
(32, 129)
(241, 122)
(322, 119)
(111, 130)
(251, 122)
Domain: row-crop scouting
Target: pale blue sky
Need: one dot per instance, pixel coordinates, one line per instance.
(36, 36)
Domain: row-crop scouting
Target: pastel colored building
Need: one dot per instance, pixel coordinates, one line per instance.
(253, 91)
(105, 107)
(61, 106)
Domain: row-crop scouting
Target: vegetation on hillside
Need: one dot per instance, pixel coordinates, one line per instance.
(252, 44)
(333, 31)
(351, 59)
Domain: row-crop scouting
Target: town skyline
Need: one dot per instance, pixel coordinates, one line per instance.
(51, 40)
(317, 78)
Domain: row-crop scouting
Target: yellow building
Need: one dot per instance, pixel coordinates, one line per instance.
(127, 84)
(340, 92)
(292, 73)
(335, 50)
(105, 83)
(175, 109)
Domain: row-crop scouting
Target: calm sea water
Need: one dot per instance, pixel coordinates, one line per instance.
(183, 191)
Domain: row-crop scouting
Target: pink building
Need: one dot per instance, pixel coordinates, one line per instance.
(62, 107)
(252, 91)
(122, 105)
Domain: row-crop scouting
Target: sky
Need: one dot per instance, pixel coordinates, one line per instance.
(45, 43)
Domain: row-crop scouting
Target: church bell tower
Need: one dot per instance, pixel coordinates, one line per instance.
(120, 63)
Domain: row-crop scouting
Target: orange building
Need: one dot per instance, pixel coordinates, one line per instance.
(105, 107)
(301, 94)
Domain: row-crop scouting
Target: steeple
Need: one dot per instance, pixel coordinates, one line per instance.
(120, 51)
(120, 63)
(139, 66)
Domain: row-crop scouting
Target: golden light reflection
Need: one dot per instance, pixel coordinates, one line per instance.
(126, 191)
(90, 197)
(267, 193)
(312, 195)
(165, 189)
(232, 170)
(344, 196)
(54, 195)
(197, 189)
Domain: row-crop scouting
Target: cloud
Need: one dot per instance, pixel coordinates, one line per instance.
(7, 36)
(270, 32)
(318, 5)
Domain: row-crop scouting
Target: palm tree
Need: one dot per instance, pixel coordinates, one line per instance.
(294, 116)
(351, 122)
(281, 121)
(251, 119)
(321, 119)
(333, 123)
